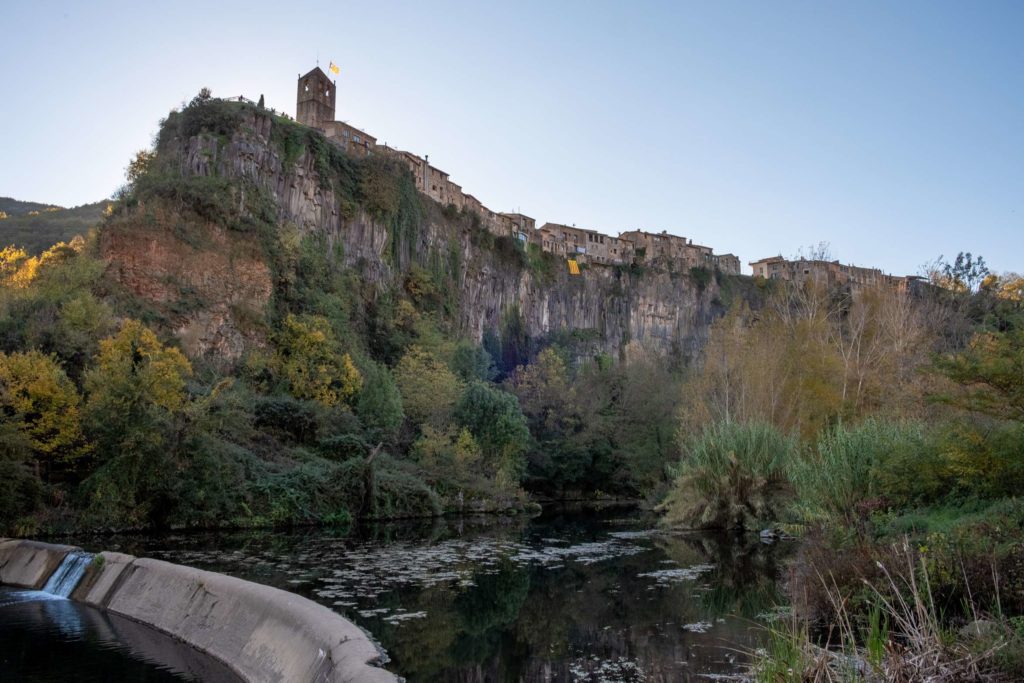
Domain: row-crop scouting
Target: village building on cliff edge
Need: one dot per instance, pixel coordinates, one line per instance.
(831, 274)
(315, 107)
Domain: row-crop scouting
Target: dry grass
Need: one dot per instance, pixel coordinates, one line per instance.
(904, 641)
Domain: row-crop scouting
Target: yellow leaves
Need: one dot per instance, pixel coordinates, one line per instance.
(133, 367)
(309, 359)
(44, 403)
(11, 261)
(19, 270)
(449, 455)
(429, 389)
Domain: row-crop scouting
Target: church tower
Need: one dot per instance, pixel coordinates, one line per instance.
(314, 104)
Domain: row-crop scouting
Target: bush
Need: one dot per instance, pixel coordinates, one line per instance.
(856, 470)
(731, 476)
(288, 418)
(205, 114)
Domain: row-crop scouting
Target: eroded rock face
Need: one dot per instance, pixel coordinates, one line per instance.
(624, 313)
(214, 291)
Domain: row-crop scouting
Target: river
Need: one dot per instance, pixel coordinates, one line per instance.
(571, 595)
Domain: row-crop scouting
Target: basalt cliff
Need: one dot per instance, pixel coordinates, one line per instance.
(233, 203)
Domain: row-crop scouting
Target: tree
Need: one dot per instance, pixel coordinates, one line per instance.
(309, 359)
(429, 389)
(39, 399)
(497, 423)
(450, 456)
(135, 411)
(990, 372)
(964, 274)
(546, 397)
(1008, 286)
(134, 369)
(139, 166)
(379, 405)
(471, 362)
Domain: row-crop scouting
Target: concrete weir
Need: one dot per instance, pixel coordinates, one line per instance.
(263, 634)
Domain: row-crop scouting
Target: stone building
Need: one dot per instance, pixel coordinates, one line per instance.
(589, 246)
(315, 100)
(652, 247)
(822, 272)
(315, 106)
(354, 141)
(520, 226)
(728, 263)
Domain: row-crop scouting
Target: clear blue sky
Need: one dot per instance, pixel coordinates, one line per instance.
(892, 130)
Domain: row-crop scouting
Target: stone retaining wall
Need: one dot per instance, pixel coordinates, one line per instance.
(262, 633)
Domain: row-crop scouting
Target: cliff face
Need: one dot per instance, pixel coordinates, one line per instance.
(619, 311)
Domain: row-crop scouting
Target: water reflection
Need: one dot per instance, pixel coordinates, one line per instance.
(569, 596)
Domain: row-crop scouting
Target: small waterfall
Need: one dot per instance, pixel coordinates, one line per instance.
(68, 574)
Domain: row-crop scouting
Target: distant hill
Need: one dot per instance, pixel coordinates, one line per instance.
(36, 227)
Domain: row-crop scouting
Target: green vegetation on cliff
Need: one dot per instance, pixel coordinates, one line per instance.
(323, 395)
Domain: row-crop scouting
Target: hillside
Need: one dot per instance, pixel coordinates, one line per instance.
(36, 227)
(286, 180)
(266, 331)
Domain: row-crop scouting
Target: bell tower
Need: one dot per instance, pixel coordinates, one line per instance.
(314, 104)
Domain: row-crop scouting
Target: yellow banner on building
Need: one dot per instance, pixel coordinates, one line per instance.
(334, 69)
(574, 268)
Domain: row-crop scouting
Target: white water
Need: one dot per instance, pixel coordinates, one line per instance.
(68, 574)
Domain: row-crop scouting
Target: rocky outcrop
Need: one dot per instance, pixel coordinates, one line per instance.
(623, 311)
(214, 290)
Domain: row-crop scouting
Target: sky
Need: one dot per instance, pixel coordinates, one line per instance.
(893, 131)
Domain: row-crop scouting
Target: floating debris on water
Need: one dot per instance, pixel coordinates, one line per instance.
(667, 576)
(697, 627)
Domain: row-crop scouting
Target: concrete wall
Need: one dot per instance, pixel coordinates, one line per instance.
(28, 564)
(261, 633)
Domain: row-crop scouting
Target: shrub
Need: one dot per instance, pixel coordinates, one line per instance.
(855, 469)
(731, 476)
(287, 418)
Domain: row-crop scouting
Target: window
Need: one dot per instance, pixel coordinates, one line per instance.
(356, 138)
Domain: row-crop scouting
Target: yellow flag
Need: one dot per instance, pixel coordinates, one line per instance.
(574, 268)
(334, 68)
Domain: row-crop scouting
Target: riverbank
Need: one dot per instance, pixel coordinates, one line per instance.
(260, 633)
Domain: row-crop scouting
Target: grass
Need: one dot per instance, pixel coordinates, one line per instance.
(731, 476)
(905, 634)
(844, 478)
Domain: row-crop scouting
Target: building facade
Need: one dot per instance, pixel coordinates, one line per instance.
(827, 273)
(316, 99)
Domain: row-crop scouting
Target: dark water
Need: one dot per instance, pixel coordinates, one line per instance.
(568, 596)
(49, 639)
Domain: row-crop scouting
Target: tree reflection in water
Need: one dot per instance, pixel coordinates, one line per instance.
(568, 596)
